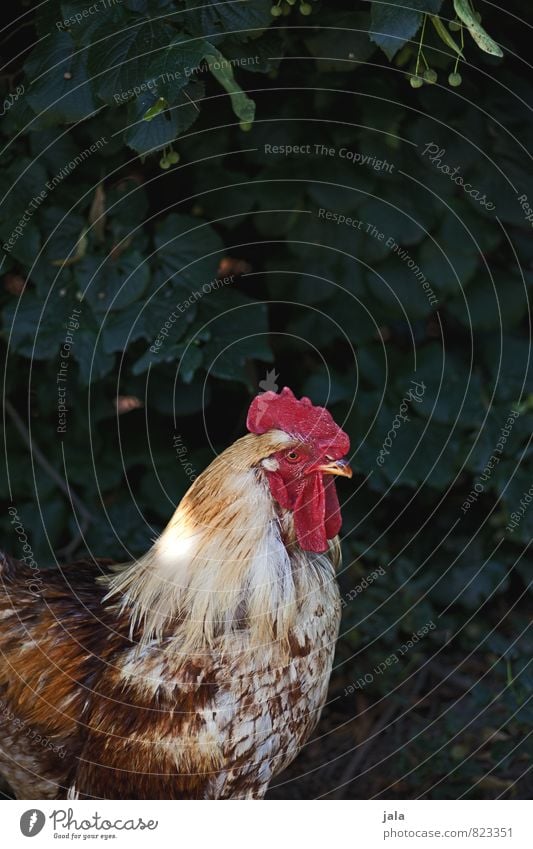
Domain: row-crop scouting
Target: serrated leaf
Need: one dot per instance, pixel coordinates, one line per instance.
(183, 247)
(112, 285)
(119, 60)
(471, 580)
(190, 359)
(147, 136)
(172, 68)
(20, 183)
(241, 18)
(82, 19)
(59, 87)
(122, 328)
(491, 307)
(392, 28)
(94, 363)
(238, 333)
(400, 290)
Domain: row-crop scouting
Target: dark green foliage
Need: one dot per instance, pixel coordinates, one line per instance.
(337, 309)
(392, 25)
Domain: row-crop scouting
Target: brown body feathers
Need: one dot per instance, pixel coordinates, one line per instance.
(197, 671)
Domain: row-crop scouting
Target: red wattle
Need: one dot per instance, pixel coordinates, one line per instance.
(333, 511)
(309, 515)
(315, 507)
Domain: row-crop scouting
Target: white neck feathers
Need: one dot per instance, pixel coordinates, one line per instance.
(221, 568)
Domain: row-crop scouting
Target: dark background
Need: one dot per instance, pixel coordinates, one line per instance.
(331, 309)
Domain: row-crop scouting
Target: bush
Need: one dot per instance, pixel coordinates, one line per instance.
(199, 198)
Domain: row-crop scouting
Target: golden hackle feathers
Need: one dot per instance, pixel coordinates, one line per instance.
(222, 562)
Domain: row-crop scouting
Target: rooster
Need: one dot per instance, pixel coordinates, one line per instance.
(199, 670)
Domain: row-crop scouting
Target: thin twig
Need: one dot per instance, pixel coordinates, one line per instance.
(452, 676)
(36, 452)
(353, 767)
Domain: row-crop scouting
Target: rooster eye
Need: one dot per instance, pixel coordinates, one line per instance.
(292, 456)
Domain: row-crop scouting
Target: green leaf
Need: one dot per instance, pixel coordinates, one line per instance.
(412, 457)
(491, 304)
(455, 399)
(509, 365)
(26, 246)
(429, 6)
(450, 269)
(122, 533)
(240, 18)
(444, 34)
(140, 5)
(172, 68)
(126, 205)
(59, 88)
(329, 388)
(184, 245)
(238, 333)
(262, 55)
(38, 329)
(122, 328)
(144, 362)
(88, 351)
(21, 319)
(61, 230)
(513, 482)
(481, 37)
(191, 358)
(472, 579)
(148, 134)
(54, 149)
(393, 26)
(23, 186)
(112, 285)
(401, 289)
(222, 70)
(234, 193)
(119, 60)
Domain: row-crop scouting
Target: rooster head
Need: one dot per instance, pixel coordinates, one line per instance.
(300, 476)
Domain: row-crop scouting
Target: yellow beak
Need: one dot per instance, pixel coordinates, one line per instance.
(336, 467)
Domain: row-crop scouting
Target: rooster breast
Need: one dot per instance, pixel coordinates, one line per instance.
(217, 724)
(88, 715)
(280, 698)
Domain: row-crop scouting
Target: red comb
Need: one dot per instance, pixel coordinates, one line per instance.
(270, 411)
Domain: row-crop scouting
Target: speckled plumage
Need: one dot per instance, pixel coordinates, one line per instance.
(139, 685)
